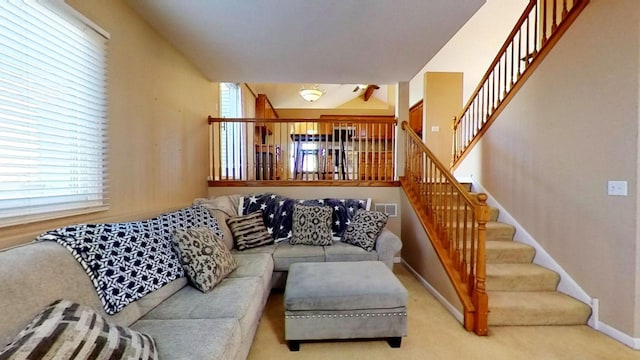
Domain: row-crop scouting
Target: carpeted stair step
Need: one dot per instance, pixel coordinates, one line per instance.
(508, 252)
(458, 212)
(520, 277)
(498, 231)
(536, 308)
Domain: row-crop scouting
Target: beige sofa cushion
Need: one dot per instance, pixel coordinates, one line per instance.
(38, 274)
(222, 208)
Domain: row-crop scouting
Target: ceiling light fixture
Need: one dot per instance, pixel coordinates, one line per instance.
(311, 95)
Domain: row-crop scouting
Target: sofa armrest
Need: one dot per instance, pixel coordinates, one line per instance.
(387, 245)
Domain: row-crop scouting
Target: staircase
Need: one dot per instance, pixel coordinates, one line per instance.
(521, 292)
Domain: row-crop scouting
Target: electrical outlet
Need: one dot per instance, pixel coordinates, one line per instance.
(435, 128)
(616, 188)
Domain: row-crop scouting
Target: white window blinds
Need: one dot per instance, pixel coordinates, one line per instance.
(52, 113)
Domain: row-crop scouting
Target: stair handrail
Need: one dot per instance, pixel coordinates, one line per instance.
(549, 19)
(455, 223)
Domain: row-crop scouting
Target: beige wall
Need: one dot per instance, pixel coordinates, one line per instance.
(377, 194)
(442, 102)
(420, 255)
(158, 104)
(548, 157)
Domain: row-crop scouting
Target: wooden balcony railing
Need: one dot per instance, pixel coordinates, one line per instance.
(302, 151)
(455, 223)
(539, 28)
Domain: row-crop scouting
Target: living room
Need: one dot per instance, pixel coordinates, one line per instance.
(158, 158)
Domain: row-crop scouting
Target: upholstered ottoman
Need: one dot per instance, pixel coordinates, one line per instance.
(344, 300)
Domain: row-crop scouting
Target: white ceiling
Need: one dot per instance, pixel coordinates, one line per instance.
(308, 41)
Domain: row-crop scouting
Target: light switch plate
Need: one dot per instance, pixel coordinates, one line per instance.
(435, 128)
(617, 188)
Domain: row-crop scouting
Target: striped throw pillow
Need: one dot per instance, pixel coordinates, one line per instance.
(249, 231)
(66, 330)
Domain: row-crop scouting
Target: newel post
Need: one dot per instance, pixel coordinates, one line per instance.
(479, 297)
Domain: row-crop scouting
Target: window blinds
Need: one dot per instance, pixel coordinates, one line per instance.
(53, 144)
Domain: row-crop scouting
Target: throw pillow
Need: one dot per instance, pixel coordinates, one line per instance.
(364, 229)
(311, 225)
(66, 330)
(249, 231)
(205, 258)
(343, 211)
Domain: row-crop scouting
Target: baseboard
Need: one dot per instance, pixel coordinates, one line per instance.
(618, 335)
(441, 299)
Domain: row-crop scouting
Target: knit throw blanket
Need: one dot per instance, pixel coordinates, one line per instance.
(128, 260)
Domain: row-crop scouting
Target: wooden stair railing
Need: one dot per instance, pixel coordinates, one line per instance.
(539, 28)
(455, 223)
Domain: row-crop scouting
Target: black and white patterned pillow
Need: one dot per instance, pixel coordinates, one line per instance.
(66, 330)
(249, 231)
(364, 229)
(128, 260)
(311, 225)
(343, 211)
(205, 258)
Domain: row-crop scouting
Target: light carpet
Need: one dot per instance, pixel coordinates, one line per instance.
(433, 333)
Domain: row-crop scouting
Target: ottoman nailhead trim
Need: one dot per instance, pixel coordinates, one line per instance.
(324, 316)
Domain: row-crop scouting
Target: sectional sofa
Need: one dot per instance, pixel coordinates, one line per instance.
(184, 322)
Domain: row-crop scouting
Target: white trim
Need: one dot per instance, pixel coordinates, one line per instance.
(567, 284)
(71, 14)
(618, 335)
(441, 299)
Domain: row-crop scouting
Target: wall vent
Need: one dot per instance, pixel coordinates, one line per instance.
(389, 209)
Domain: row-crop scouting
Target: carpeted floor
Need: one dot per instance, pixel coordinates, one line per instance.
(435, 334)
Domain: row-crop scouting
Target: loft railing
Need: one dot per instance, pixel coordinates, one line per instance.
(302, 151)
(455, 223)
(539, 28)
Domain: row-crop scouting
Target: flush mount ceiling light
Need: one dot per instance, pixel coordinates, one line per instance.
(311, 95)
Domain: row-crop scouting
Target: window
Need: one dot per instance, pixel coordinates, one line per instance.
(232, 134)
(52, 112)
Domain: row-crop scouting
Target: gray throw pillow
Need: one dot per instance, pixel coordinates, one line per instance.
(311, 225)
(249, 231)
(364, 228)
(66, 330)
(205, 258)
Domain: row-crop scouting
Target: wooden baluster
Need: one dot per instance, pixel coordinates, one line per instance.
(554, 26)
(506, 70)
(564, 10)
(513, 62)
(465, 243)
(536, 35)
(544, 21)
(528, 55)
(519, 53)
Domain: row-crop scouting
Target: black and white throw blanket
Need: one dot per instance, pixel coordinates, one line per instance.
(128, 260)
(277, 212)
